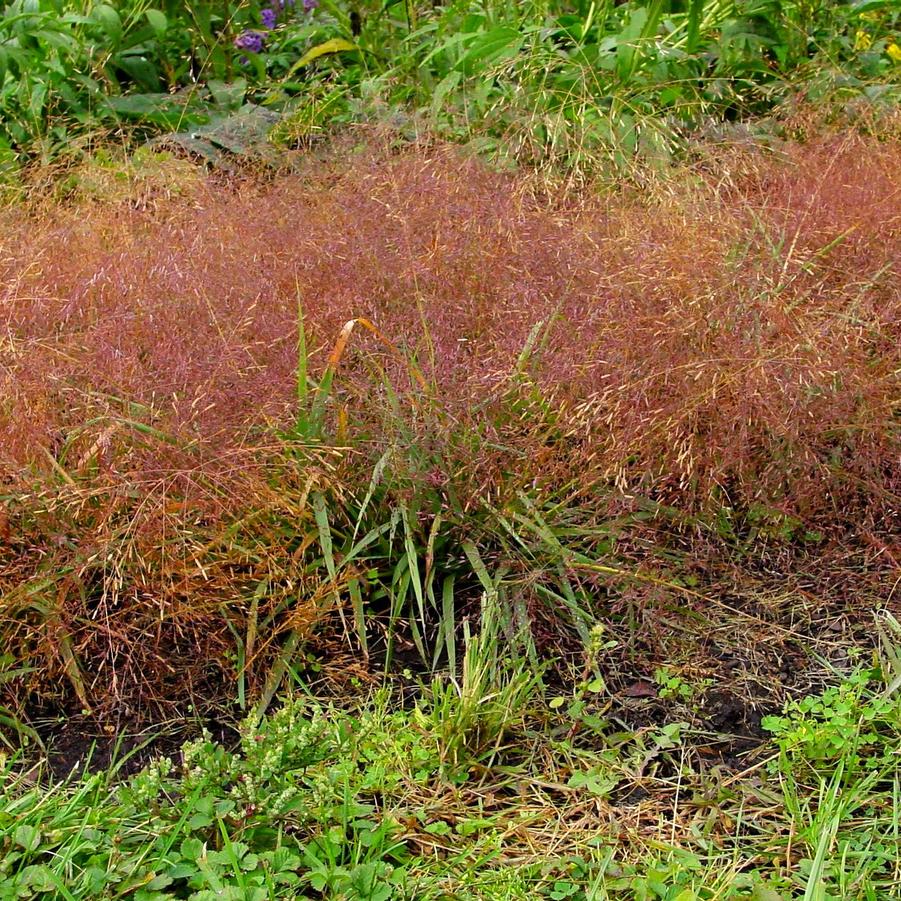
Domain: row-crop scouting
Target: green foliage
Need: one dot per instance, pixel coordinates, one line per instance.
(319, 802)
(555, 82)
(61, 62)
(8, 720)
(853, 722)
(292, 807)
(672, 686)
(473, 715)
(564, 82)
(837, 764)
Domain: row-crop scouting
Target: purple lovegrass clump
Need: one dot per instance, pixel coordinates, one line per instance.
(251, 41)
(268, 17)
(668, 366)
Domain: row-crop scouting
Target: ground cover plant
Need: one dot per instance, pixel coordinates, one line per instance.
(362, 804)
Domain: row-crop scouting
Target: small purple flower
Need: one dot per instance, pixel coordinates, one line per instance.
(251, 41)
(268, 17)
(310, 5)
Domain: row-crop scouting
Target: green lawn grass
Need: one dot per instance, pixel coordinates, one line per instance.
(479, 789)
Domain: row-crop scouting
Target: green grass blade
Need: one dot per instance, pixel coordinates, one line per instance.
(413, 564)
(302, 361)
(695, 14)
(356, 600)
(377, 472)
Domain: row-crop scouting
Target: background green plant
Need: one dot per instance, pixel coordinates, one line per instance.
(549, 82)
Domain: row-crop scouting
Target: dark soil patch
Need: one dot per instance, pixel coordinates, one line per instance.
(737, 663)
(734, 664)
(79, 743)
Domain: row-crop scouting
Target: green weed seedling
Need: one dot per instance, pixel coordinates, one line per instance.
(672, 686)
(851, 722)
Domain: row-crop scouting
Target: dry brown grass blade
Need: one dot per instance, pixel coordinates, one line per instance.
(344, 336)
